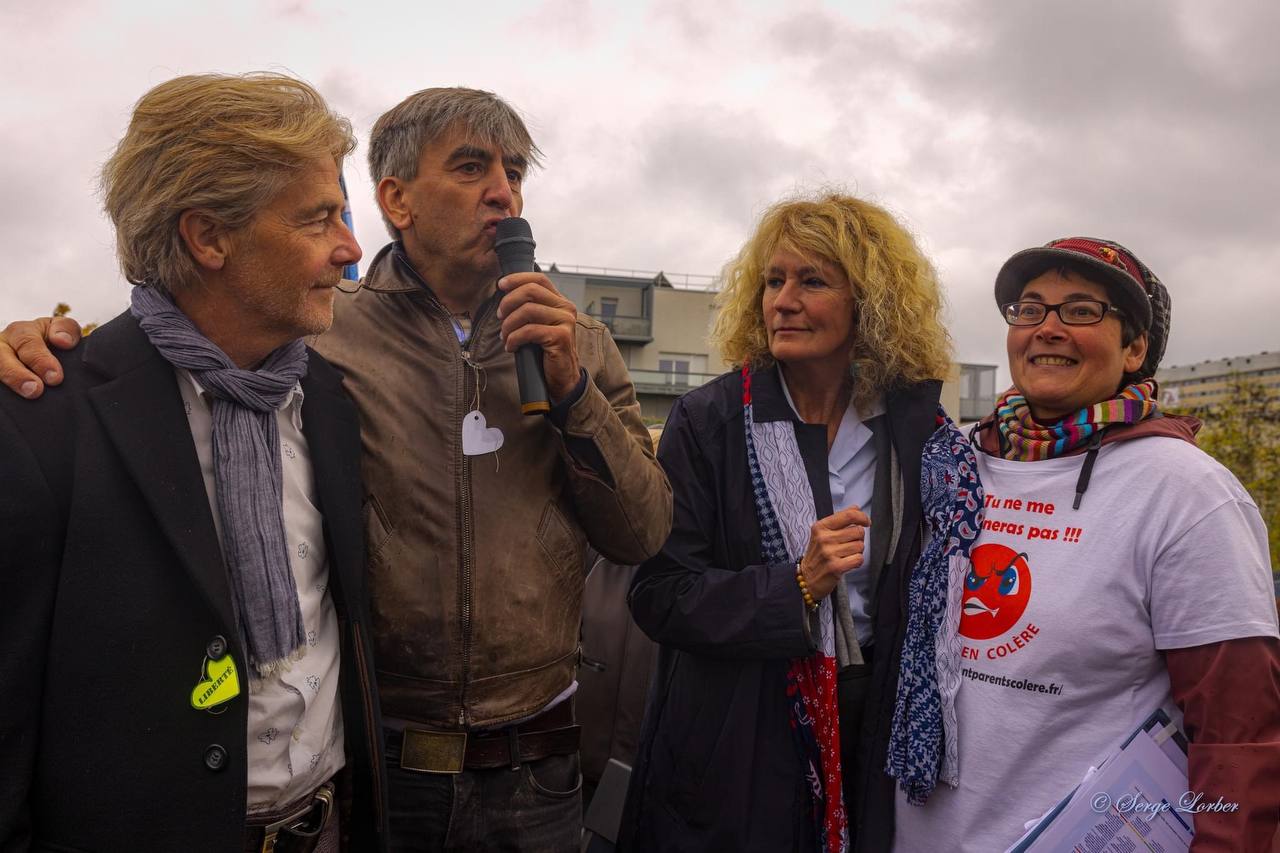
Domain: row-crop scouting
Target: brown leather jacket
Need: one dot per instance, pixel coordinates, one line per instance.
(476, 562)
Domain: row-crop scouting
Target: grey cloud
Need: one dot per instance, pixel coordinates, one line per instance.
(1100, 60)
(572, 21)
(1147, 122)
(293, 10)
(18, 17)
(60, 245)
(665, 196)
(1106, 107)
(1122, 116)
(714, 160)
(988, 126)
(695, 22)
(349, 92)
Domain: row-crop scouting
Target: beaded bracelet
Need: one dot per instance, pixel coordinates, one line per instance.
(804, 589)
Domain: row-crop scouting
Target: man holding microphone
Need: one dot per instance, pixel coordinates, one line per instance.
(477, 516)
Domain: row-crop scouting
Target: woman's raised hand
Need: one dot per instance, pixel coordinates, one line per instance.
(835, 547)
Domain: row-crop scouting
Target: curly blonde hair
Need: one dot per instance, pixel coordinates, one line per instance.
(899, 335)
(225, 143)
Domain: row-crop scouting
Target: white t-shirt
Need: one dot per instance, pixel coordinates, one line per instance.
(1064, 613)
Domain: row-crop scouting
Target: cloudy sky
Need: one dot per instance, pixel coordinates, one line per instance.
(669, 125)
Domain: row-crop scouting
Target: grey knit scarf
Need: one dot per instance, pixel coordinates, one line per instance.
(247, 474)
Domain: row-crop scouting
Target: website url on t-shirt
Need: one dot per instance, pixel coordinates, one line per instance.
(1013, 683)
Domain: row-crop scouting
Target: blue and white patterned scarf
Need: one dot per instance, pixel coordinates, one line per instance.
(922, 742)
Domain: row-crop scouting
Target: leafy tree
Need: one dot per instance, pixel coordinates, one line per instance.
(1245, 437)
(62, 309)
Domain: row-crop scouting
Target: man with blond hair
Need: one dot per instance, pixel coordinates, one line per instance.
(477, 516)
(182, 606)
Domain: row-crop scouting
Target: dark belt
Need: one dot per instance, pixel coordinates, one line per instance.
(296, 829)
(550, 733)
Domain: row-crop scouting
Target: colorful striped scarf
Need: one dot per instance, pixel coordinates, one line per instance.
(1023, 439)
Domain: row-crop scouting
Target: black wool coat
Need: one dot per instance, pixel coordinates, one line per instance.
(112, 589)
(718, 769)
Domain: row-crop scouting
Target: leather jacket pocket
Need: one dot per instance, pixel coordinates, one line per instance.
(559, 545)
(377, 530)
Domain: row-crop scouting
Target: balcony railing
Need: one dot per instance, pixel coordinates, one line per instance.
(626, 328)
(674, 383)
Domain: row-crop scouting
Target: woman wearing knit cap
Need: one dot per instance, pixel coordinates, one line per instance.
(1119, 570)
(797, 654)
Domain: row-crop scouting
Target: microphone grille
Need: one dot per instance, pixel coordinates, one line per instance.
(513, 228)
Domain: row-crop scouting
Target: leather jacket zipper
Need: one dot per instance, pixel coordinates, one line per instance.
(464, 512)
(465, 516)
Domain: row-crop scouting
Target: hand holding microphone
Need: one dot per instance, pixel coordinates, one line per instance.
(537, 322)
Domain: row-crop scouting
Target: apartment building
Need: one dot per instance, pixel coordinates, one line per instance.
(661, 323)
(1196, 386)
(974, 392)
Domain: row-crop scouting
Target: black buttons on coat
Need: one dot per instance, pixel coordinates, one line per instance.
(215, 758)
(215, 755)
(217, 647)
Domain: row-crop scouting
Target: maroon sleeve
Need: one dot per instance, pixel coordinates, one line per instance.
(1229, 693)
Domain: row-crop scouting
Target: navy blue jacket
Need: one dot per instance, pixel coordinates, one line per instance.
(718, 768)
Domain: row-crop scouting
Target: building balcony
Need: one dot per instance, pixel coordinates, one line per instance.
(634, 330)
(672, 383)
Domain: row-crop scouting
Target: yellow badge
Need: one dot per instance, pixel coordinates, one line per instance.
(222, 684)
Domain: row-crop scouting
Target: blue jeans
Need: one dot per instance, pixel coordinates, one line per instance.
(535, 809)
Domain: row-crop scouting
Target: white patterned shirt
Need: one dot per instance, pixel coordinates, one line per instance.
(295, 718)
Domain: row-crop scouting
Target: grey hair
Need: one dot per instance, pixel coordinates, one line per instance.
(400, 134)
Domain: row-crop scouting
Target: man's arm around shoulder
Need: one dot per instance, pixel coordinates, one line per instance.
(27, 364)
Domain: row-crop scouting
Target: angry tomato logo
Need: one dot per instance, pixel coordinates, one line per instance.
(996, 591)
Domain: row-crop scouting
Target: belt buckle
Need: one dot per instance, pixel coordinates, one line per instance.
(297, 823)
(425, 751)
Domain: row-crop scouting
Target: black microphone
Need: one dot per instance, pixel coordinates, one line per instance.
(514, 244)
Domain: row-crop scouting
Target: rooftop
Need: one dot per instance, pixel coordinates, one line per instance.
(1221, 366)
(677, 280)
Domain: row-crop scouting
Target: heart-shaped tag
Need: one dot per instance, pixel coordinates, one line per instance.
(222, 684)
(478, 438)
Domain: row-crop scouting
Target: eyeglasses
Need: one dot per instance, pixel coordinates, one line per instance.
(1075, 312)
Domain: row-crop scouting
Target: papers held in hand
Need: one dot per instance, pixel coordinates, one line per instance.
(1135, 799)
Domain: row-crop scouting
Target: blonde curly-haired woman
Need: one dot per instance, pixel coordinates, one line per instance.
(781, 598)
